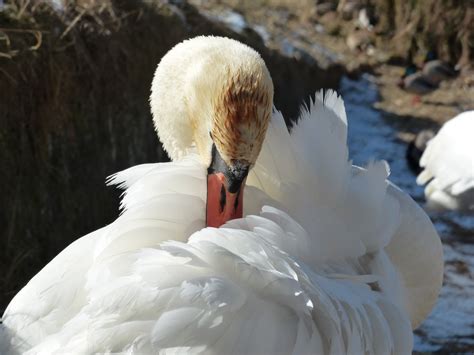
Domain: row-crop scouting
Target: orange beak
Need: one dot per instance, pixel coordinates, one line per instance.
(222, 205)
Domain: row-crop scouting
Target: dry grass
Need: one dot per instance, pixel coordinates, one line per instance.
(415, 27)
(407, 28)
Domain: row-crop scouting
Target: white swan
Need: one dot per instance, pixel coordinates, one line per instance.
(448, 165)
(329, 258)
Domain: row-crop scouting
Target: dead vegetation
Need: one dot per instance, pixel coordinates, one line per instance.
(415, 27)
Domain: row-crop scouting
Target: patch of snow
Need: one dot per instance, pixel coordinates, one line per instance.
(287, 48)
(179, 13)
(263, 33)
(290, 50)
(363, 20)
(328, 54)
(57, 5)
(319, 28)
(235, 21)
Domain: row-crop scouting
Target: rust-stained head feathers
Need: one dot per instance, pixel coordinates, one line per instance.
(241, 115)
(212, 90)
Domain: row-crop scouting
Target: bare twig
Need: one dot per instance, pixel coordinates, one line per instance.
(38, 34)
(5, 55)
(5, 38)
(22, 9)
(64, 47)
(12, 79)
(10, 54)
(39, 38)
(73, 23)
(25, 30)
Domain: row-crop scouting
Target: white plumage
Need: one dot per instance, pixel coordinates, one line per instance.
(329, 258)
(448, 165)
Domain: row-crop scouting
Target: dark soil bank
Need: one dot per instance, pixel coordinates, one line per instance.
(74, 87)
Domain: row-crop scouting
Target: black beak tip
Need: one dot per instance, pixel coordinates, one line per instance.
(236, 175)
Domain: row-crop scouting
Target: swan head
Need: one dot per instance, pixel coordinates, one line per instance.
(214, 95)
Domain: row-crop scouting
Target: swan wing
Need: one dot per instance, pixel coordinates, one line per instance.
(352, 212)
(44, 304)
(161, 202)
(417, 253)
